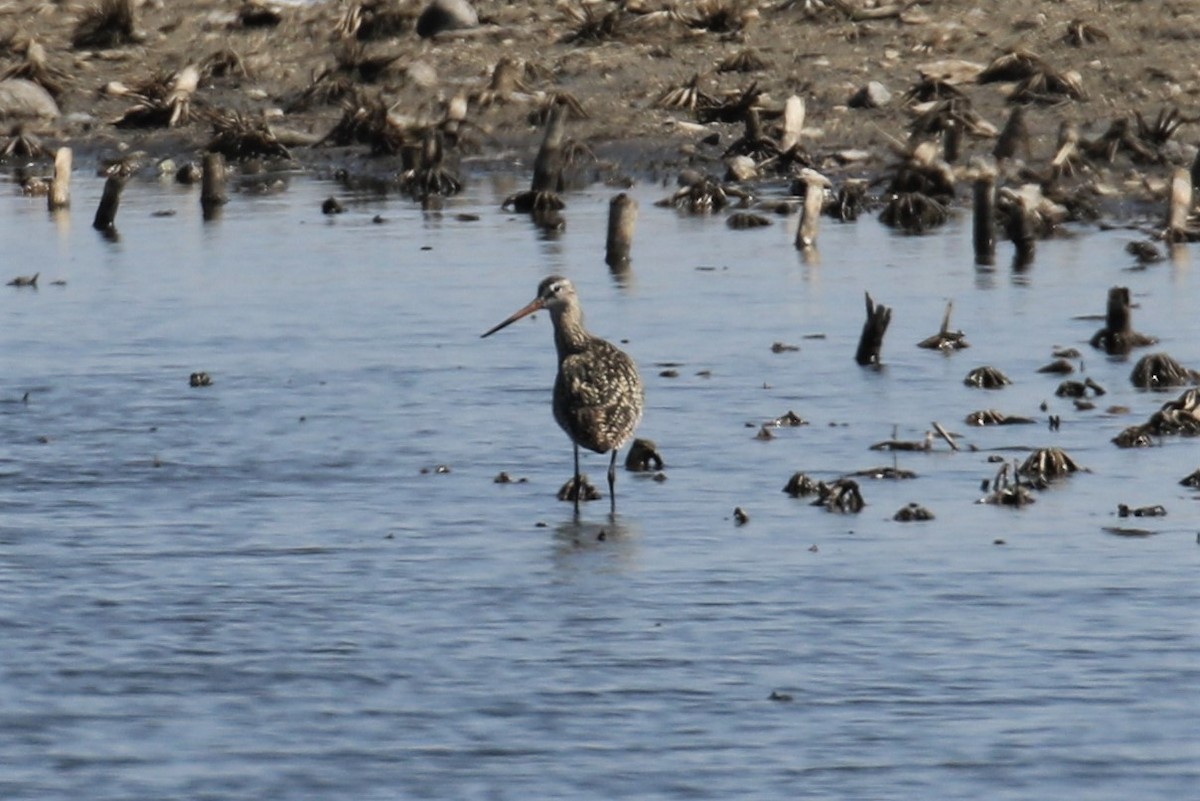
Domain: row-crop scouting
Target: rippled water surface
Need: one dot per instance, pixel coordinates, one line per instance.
(302, 581)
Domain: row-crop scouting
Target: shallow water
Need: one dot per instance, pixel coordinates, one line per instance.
(266, 588)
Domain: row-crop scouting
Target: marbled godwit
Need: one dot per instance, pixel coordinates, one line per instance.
(598, 394)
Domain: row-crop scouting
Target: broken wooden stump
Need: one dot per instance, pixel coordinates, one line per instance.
(212, 185)
(985, 217)
(110, 200)
(60, 186)
(871, 341)
(622, 219)
(1180, 208)
(815, 185)
(1117, 337)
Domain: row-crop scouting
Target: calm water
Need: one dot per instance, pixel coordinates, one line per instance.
(266, 588)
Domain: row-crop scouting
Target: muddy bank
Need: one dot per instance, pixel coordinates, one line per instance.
(653, 87)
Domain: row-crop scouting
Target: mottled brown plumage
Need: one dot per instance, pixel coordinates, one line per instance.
(598, 394)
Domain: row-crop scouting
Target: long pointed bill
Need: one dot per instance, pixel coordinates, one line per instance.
(530, 309)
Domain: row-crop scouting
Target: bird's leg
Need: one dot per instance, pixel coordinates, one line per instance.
(578, 479)
(612, 482)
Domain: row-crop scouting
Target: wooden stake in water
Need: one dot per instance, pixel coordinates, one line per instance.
(60, 186)
(871, 342)
(985, 217)
(1181, 205)
(106, 213)
(212, 186)
(815, 185)
(951, 141)
(622, 218)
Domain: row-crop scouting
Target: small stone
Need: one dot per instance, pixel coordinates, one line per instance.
(873, 95)
(446, 15)
(20, 99)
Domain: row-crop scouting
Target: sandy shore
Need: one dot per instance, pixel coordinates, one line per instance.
(306, 68)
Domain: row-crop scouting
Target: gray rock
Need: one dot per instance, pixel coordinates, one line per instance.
(446, 15)
(23, 99)
(873, 95)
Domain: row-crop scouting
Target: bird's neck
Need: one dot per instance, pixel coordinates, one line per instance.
(569, 334)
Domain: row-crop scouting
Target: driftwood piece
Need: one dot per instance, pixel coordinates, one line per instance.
(871, 341)
(945, 339)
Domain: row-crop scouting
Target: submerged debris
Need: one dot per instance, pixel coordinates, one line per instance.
(702, 194)
(800, 485)
(1117, 337)
(842, 495)
(905, 445)
(1047, 464)
(945, 339)
(643, 456)
(991, 417)
(912, 512)
(1079, 389)
(1178, 417)
(584, 490)
(1160, 371)
(1158, 510)
(1007, 490)
(986, 378)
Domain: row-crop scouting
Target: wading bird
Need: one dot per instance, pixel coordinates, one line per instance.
(598, 394)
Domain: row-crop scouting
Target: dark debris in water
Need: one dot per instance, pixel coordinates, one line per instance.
(1180, 417)
(912, 512)
(1047, 464)
(1157, 510)
(643, 456)
(1160, 371)
(800, 485)
(842, 495)
(1122, 531)
(986, 378)
(584, 490)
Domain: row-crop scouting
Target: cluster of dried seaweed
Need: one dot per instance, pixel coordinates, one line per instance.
(430, 176)
(703, 194)
(367, 120)
(110, 23)
(1143, 140)
(1161, 371)
(370, 20)
(1179, 417)
(163, 101)
(36, 67)
(1035, 80)
(238, 137)
(21, 144)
